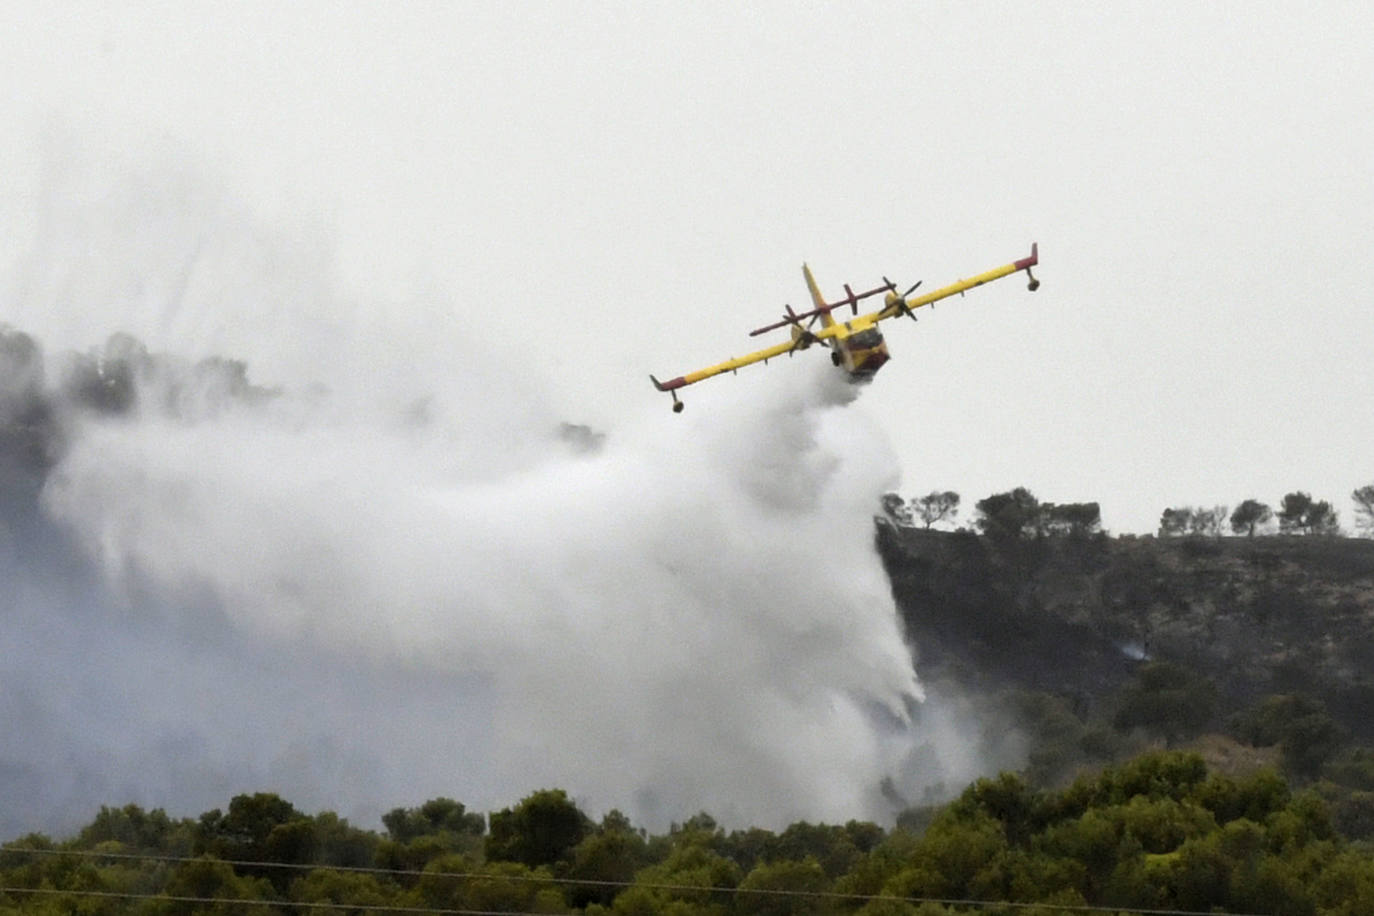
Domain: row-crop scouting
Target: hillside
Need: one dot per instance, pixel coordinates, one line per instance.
(1148, 638)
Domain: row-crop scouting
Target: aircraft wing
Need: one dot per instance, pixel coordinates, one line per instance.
(899, 307)
(730, 365)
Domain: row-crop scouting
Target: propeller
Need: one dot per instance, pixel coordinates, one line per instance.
(900, 301)
(805, 338)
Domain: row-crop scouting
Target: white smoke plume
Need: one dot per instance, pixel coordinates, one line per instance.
(400, 581)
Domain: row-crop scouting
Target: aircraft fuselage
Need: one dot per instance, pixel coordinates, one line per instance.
(861, 353)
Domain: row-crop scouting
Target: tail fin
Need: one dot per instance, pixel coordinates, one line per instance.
(816, 299)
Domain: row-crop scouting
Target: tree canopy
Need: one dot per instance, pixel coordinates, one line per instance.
(1249, 516)
(1301, 514)
(1159, 831)
(937, 506)
(1364, 508)
(1010, 515)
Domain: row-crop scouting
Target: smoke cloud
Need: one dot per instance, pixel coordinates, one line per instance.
(379, 570)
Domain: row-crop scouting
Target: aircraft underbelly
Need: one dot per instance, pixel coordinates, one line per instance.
(864, 364)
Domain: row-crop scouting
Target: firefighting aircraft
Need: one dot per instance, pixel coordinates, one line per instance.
(855, 345)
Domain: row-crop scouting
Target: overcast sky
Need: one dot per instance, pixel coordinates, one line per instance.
(600, 191)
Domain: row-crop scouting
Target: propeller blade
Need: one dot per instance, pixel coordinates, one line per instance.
(912, 290)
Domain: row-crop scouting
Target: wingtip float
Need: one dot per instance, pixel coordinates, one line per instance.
(856, 345)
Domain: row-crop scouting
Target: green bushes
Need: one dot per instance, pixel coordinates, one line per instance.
(1158, 831)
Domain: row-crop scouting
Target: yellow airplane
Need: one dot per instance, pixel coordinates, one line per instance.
(855, 345)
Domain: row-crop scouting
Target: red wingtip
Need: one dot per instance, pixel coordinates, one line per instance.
(668, 385)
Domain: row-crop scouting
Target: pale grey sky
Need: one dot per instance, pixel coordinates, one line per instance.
(607, 190)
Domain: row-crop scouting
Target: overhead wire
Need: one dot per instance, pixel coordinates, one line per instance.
(539, 879)
(256, 901)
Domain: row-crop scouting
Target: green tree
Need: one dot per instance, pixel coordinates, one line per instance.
(455, 883)
(351, 889)
(1175, 521)
(1161, 825)
(1207, 522)
(872, 871)
(830, 846)
(1300, 725)
(1300, 514)
(1249, 516)
(1057, 736)
(1345, 887)
(1158, 774)
(1254, 797)
(1309, 743)
(1007, 799)
(1199, 875)
(747, 847)
(436, 816)
(957, 857)
(245, 832)
(1306, 819)
(417, 836)
(937, 506)
(338, 843)
(1093, 839)
(692, 879)
(896, 510)
(1292, 512)
(608, 860)
(865, 835)
(1192, 520)
(1353, 815)
(211, 879)
(135, 828)
(266, 828)
(542, 830)
(1322, 519)
(1364, 508)
(1010, 515)
(785, 887)
(1072, 519)
(1268, 722)
(1353, 768)
(1169, 700)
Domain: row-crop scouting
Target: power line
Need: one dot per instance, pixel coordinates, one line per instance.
(541, 879)
(248, 901)
(394, 908)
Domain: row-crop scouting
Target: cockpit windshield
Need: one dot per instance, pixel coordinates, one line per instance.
(866, 339)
